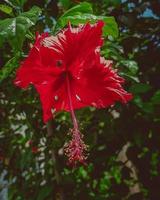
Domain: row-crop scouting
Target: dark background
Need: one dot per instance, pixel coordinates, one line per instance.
(124, 159)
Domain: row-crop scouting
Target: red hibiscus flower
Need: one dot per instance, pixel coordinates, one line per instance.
(69, 73)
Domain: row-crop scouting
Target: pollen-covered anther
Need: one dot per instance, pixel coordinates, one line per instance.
(76, 150)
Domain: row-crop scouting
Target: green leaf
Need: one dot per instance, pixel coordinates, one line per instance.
(9, 67)
(44, 192)
(83, 173)
(17, 2)
(140, 88)
(110, 27)
(156, 97)
(79, 9)
(22, 2)
(65, 3)
(32, 14)
(83, 7)
(6, 9)
(130, 77)
(138, 101)
(148, 107)
(116, 173)
(131, 65)
(14, 29)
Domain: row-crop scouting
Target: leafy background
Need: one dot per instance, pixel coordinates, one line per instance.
(124, 160)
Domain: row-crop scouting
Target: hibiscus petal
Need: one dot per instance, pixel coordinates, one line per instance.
(39, 67)
(82, 41)
(99, 85)
(53, 96)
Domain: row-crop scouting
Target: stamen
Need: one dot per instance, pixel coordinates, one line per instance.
(76, 149)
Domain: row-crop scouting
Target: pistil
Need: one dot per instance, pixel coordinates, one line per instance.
(75, 149)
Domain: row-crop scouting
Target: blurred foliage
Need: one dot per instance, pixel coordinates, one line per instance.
(124, 161)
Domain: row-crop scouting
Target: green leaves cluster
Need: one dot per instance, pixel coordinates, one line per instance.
(15, 30)
(6, 9)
